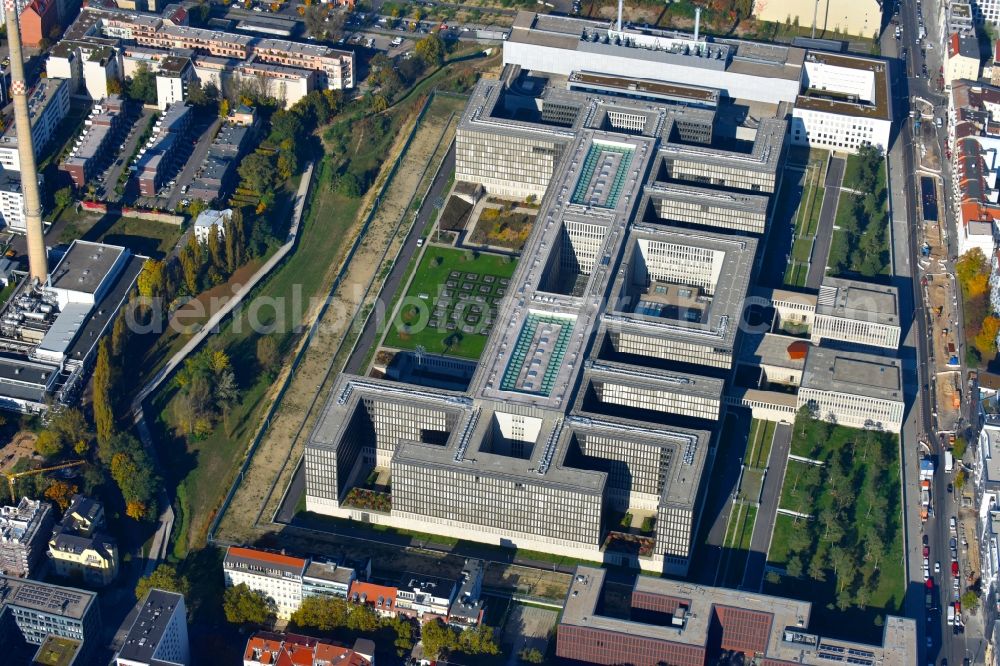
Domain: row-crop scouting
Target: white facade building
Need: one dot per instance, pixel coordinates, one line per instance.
(844, 103)
(278, 577)
(47, 106)
(159, 635)
(12, 202)
(210, 219)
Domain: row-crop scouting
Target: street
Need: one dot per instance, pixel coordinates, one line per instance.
(911, 82)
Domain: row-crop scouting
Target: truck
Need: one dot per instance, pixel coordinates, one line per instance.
(949, 462)
(951, 615)
(925, 499)
(926, 469)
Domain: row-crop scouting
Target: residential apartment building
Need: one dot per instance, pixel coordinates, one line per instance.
(863, 313)
(425, 597)
(24, 530)
(963, 58)
(279, 577)
(79, 548)
(157, 633)
(380, 598)
(217, 175)
(467, 608)
(960, 18)
(158, 160)
(844, 103)
(12, 201)
(97, 143)
(331, 579)
(975, 140)
(209, 222)
(674, 622)
(40, 610)
(48, 104)
(266, 649)
(37, 21)
(861, 18)
(853, 389)
(88, 66)
(172, 78)
(333, 69)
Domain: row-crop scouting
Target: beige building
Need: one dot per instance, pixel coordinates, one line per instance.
(853, 17)
(79, 548)
(963, 58)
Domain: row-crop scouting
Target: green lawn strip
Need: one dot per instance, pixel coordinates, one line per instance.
(739, 550)
(146, 237)
(764, 450)
(797, 491)
(778, 554)
(755, 426)
(751, 484)
(746, 534)
(812, 225)
(430, 279)
(802, 249)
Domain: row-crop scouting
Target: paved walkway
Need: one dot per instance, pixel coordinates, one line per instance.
(753, 578)
(827, 216)
(165, 522)
(217, 318)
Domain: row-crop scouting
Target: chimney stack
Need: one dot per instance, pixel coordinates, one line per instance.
(697, 22)
(38, 265)
(620, 15)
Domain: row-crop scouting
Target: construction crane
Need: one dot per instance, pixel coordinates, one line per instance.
(13, 476)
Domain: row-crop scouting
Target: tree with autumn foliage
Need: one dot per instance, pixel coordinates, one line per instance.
(973, 271)
(132, 471)
(986, 338)
(105, 376)
(61, 492)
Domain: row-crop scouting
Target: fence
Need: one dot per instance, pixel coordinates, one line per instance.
(303, 348)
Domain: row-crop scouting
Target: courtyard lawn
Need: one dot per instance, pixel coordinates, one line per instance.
(451, 303)
(849, 558)
(737, 545)
(146, 237)
(759, 443)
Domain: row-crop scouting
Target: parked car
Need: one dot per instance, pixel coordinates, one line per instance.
(937, 567)
(954, 569)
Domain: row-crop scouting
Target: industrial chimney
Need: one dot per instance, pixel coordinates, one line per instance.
(38, 265)
(620, 15)
(697, 22)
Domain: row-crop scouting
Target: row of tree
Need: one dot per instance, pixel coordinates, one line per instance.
(863, 248)
(853, 501)
(981, 325)
(207, 391)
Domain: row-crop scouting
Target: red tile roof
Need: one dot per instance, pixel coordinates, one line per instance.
(373, 593)
(264, 556)
(744, 630)
(268, 649)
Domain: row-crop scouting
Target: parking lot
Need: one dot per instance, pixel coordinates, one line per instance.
(105, 183)
(185, 162)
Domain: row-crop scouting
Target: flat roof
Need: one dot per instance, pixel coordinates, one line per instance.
(57, 651)
(150, 624)
(776, 627)
(861, 301)
(771, 349)
(819, 100)
(85, 266)
(851, 372)
(633, 85)
(55, 600)
(330, 571)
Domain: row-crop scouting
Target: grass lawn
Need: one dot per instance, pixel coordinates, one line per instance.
(778, 554)
(802, 249)
(801, 484)
(759, 443)
(751, 484)
(851, 172)
(736, 547)
(153, 239)
(796, 274)
(858, 467)
(450, 282)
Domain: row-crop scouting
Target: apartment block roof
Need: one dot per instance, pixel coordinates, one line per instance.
(831, 102)
(45, 598)
(274, 649)
(150, 626)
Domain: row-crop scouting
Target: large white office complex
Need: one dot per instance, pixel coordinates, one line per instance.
(606, 371)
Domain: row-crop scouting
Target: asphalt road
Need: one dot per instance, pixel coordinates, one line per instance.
(753, 578)
(193, 163)
(373, 325)
(827, 216)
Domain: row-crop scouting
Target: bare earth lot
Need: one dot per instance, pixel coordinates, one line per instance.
(282, 447)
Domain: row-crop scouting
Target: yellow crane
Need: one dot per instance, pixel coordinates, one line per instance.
(13, 476)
